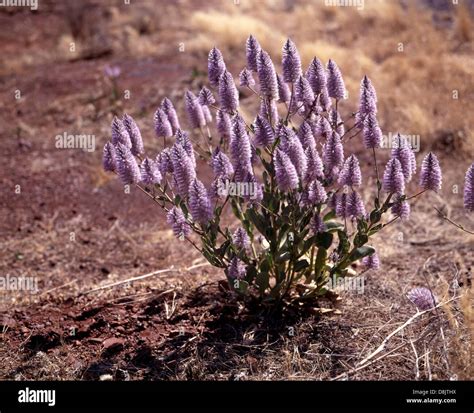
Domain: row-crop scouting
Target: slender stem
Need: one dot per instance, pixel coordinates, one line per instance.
(459, 226)
(376, 173)
(416, 195)
(389, 222)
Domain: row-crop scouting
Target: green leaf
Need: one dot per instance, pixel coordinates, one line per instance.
(323, 240)
(361, 252)
(375, 216)
(360, 239)
(283, 257)
(320, 262)
(375, 229)
(301, 265)
(263, 281)
(256, 220)
(329, 215)
(333, 225)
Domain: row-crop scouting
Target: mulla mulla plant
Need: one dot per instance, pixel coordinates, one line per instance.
(297, 185)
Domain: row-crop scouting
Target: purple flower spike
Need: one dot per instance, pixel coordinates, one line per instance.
(109, 157)
(215, 66)
(317, 224)
(423, 298)
(268, 111)
(236, 269)
(252, 50)
(207, 114)
(342, 205)
(240, 239)
(246, 79)
(469, 189)
(223, 124)
(199, 202)
(177, 220)
(182, 138)
(315, 164)
(127, 167)
(305, 135)
(162, 124)
(401, 208)
(228, 94)
(430, 175)
(240, 149)
(298, 157)
(164, 162)
(284, 94)
(303, 91)
(368, 98)
(316, 193)
(170, 111)
(194, 110)
(184, 172)
(403, 152)
(150, 173)
(221, 165)
(255, 192)
(120, 134)
(285, 172)
(325, 100)
(264, 135)
(267, 76)
(355, 205)
(333, 152)
(322, 128)
(291, 62)
(206, 97)
(335, 82)
(335, 119)
(316, 75)
(371, 262)
(134, 133)
(372, 135)
(350, 174)
(393, 180)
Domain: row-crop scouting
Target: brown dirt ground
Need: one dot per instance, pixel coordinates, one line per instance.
(185, 324)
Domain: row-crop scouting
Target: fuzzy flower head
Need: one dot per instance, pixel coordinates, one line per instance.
(267, 76)
(194, 110)
(134, 133)
(221, 165)
(240, 147)
(469, 189)
(393, 179)
(284, 94)
(264, 134)
(252, 49)
(177, 220)
(315, 168)
(401, 208)
(184, 172)
(371, 262)
(240, 239)
(335, 82)
(336, 120)
(223, 124)
(322, 128)
(422, 297)
(333, 152)
(342, 205)
(228, 94)
(150, 174)
(371, 132)
(355, 205)
(206, 97)
(317, 224)
(162, 124)
(236, 269)
(119, 133)
(316, 75)
(269, 110)
(127, 167)
(316, 193)
(164, 161)
(350, 174)
(182, 138)
(403, 152)
(303, 91)
(305, 135)
(215, 66)
(246, 79)
(109, 157)
(285, 172)
(430, 175)
(199, 202)
(170, 111)
(291, 62)
(367, 99)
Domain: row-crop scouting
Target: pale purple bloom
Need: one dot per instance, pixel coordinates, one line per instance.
(264, 134)
(177, 220)
(194, 110)
(469, 189)
(252, 50)
(305, 135)
(297, 156)
(246, 79)
(368, 98)
(255, 193)
(150, 173)
(199, 202)
(322, 128)
(207, 113)
(286, 135)
(303, 91)
(269, 111)
(215, 66)
(317, 224)
(112, 72)
(336, 121)
(119, 133)
(342, 205)
(430, 175)
(206, 97)
(162, 124)
(372, 135)
(423, 298)
(170, 111)
(241, 239)
(221, 165)
(223, 124)
(335, 82)
(228, 93)
(291, 62)
(315, 164)
(127, 167)
(333, 152)
(240, 148)
(267, 76)
(324, 100)
(109, 157)
(393, 179)
(401, 208)
(371, 262)
(316, 75)
(284, 94)
(350, 174)
(182, 138)
(164, 161)
(316, 193)
(183, 169)
(285, 172)
(355, 205)
(403, 152)
(134, 133)
(236, 269)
